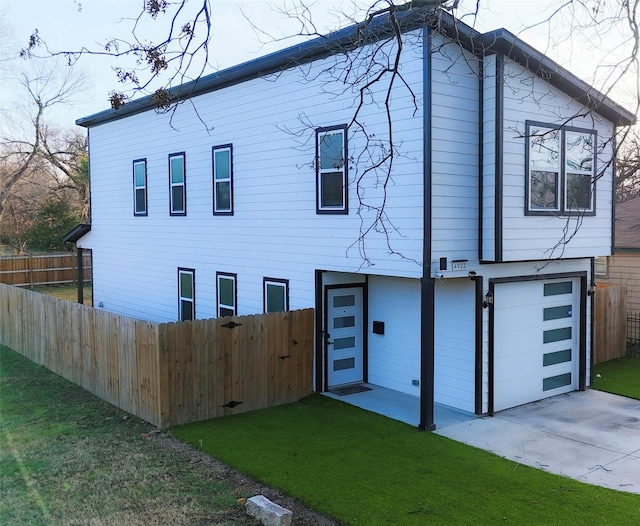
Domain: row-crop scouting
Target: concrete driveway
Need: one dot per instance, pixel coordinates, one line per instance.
(590, 436)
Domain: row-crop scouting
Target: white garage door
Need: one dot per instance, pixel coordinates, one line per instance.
(536, 340)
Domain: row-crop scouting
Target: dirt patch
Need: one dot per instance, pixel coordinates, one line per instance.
(244, 486)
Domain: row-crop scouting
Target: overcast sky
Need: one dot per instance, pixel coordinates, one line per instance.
(71, 24)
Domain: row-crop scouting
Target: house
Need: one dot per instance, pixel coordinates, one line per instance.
(463, 279)
(623, 267)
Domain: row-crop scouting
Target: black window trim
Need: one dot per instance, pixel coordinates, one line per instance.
(184, 184)
(345, 209)
(275, 281)
(235, 292)
(136, 213)
(192, 271)
(562, 210)
(213, 175)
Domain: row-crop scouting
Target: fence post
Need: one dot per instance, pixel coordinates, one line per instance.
(30, 260)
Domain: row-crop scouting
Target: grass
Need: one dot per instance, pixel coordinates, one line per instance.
(64, 292)
(69, 458)
(364, 469)
(620, 376)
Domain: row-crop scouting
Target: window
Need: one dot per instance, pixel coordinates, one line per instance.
(223, 180)
(227, 294)
(600, 267)
(186, 294)
(140, 187)
(560, 170)
(331, 170)
(276, 295)
(177, 185)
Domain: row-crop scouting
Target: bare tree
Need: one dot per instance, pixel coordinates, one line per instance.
(37, 160)
(628, 166)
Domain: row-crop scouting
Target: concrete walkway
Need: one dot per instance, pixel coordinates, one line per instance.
(590, 436)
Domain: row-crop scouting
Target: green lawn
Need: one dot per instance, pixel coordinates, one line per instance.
(67, 457)
(65, 292)
(364, 469)
(621, 376)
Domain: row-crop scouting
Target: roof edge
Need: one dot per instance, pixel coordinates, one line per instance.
(497, 41)
(505, 42)
(342, 40)
(79, 231)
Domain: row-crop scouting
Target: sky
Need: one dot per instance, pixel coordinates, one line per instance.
(72, 24)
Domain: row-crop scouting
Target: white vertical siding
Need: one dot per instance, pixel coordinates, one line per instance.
(455, 344)
(275, 231)
(394, 357)
(455, 149)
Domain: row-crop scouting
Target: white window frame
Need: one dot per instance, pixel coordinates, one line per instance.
(280, 283)
(227, 180)
(219, 305)
(341, 168)
(183, 185)
(601, 266)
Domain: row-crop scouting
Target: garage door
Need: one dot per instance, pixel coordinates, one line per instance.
(536, 340)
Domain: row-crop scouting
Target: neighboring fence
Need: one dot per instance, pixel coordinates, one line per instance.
(633, 334)
(167, 373)
(45, 269)
(610, 322)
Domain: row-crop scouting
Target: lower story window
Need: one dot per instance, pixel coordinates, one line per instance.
(276, 295)
(186, 294)
(227, 294)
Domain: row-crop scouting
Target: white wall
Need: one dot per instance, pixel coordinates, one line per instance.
(275, 231)
(455, 344)
(455, 149)
(527, 97)
(394, 357)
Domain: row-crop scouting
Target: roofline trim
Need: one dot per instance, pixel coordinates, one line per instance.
(498, 41)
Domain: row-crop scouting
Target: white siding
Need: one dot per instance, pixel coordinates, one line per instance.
(394, 357)
(455, 344)
(275, 231)
(527, 97)
(455, 146)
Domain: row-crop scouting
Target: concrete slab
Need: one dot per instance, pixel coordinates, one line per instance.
(590, 436)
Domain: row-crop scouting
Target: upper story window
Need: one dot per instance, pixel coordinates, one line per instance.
(331, 170)
(223, 180)
(140, 187)
(177, 185)
(227, 294)
(186, 294)
(276, 295)
(560, 170)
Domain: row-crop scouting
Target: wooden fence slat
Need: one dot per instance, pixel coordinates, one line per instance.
(169, 373)
(610, 322)
(40, 269)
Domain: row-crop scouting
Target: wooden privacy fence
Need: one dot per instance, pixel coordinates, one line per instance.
(167, 373)
(610, 322)
(44, 269)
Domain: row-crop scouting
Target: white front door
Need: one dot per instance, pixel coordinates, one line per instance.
(344, 336)
(536, 340)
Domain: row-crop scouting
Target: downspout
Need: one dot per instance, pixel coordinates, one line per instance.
(427, 283)
(80, 275)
